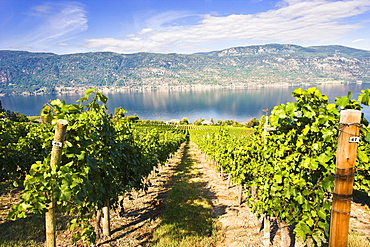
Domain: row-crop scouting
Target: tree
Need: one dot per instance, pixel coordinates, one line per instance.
(184, 121)
(119, 111)
(251, 123)
(46, 114)
(1, 107)
(132, 119)
(16, 116)
(199, 122)
(13, 116)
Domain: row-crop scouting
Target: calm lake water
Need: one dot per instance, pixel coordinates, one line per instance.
(219, 104)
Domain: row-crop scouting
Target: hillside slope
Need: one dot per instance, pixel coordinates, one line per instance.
(251, 66)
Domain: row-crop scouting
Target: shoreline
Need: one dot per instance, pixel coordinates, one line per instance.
(155, 104)
(189, 87)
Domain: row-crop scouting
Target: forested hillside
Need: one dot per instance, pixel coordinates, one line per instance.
(251, 66)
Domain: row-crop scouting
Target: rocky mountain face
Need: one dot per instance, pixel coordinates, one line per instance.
(251, 66)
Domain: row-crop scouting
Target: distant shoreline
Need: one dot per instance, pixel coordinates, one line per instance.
(199, 87)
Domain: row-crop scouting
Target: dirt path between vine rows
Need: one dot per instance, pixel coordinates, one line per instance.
(134, 227)
(134, 223)
(240, 228)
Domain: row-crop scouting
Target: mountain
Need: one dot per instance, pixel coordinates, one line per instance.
(250, 66)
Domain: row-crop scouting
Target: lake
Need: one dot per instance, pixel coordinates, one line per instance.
(219, 104)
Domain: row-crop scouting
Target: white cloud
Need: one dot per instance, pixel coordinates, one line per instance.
(41, 10)
(146, 31)
(291, 21)
(22, 48)
(166, 18)
(63, 44)
(357, 40)
(56, 23)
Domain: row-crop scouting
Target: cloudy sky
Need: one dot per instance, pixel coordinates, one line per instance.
(179, 26)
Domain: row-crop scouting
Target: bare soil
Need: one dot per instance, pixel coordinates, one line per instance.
(134, 223)
(239, 228)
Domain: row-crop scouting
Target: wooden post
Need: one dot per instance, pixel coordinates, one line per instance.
(56, 154)
(240, 194)
(106, 219)
(284, 234)
(266, 231)
(229, 180)
(254, 192)
(97, 225)
(343, 184)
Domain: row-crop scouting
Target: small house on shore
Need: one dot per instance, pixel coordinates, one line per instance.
(173, 121)
(206, 122)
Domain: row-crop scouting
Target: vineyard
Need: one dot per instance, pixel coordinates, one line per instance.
(285, 167)
(288, 171)
(102, 159)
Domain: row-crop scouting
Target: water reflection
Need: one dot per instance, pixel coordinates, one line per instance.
(219, 104)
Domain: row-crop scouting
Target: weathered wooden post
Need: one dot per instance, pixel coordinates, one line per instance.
(266, 231)
(56, 154)
(229, 180)
(106, 219)
(240, 194)
(343, 184)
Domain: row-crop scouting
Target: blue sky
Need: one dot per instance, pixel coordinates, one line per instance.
(187, 26)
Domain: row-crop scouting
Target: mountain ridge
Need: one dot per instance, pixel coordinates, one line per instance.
(23, 72)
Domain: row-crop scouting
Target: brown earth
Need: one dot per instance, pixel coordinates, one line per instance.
(240, 228)
(134, 224)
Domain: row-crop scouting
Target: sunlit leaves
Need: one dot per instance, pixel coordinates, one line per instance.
(292, 166)
(364, 97)
(102, 158)
(342, 102)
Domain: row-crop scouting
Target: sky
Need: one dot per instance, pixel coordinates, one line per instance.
(174, 26)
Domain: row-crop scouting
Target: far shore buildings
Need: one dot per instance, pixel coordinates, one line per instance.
(177, 121)
(173, 121)
(206, 122)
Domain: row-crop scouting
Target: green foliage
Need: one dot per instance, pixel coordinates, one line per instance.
(184, 121)
(364, 97)
(131, 119)
(102, 159)
(362, 178)
(252, 123)
(198, 122)
(21, 144)
(291, 167)
(46, 114)
(186, 219)
(155, 123)
(269, 64)
(232, 123)
(12, 116)
(119, 112)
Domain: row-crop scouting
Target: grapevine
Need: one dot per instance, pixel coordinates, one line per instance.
(291, 167)
(102, 159)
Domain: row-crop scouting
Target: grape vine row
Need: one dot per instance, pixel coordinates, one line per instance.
(102, 158)
(288, 172)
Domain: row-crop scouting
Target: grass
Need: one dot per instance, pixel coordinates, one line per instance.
(239, 131)
(23, 232)
(187, 219)
(355, 240)
(33, 118)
